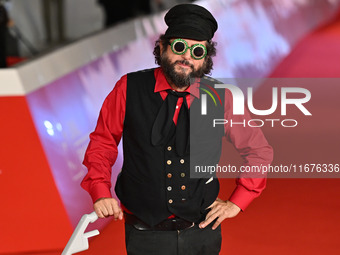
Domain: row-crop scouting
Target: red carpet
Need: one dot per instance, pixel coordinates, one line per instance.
(292, 216)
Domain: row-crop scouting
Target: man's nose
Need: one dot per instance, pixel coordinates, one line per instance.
(187, 55)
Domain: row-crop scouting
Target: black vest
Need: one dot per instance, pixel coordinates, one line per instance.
(155, 182)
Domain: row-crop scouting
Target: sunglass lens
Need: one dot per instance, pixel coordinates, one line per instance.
(179, 47)
(198, 51)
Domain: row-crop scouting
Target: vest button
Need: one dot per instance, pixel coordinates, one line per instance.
(182, 174)
(182, 161)
(170, 201)
(169, 175)
(169, 188)
(168, 162)
(169, 148)
(183, 187)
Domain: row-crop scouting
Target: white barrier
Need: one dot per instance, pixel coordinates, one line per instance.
(79, 239)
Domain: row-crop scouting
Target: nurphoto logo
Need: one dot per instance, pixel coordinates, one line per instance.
(239, 103)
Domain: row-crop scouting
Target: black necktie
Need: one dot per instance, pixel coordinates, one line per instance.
(164, 121)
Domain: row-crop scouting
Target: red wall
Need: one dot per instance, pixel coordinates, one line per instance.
(32, 214)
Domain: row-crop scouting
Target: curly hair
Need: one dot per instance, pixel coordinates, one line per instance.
(211, 52)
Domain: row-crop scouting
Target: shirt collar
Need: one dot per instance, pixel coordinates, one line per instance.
(162, 84)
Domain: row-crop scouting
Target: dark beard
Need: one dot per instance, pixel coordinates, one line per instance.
(180, 80)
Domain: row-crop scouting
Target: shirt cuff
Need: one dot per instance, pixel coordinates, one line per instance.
(100, 190)
(241, 197)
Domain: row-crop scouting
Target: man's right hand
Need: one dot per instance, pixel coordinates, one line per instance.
(105, 207)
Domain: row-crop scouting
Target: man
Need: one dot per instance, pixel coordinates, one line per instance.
(166, 211)
(4, 21)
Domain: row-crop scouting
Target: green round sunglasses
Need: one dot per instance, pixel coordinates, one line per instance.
(180, 47)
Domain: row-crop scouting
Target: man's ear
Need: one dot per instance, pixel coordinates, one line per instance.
(160, 48)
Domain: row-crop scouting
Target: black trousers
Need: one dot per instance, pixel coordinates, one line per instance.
(191, 241)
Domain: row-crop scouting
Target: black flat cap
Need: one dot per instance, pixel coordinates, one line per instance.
(190, 21)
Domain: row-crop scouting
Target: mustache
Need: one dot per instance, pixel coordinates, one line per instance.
(184, 62)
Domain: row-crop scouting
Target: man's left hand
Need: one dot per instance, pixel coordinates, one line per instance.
(220, 210)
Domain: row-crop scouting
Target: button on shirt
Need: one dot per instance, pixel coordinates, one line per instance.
(102, 150)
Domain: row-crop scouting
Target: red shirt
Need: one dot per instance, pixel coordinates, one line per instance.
(102, 150)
